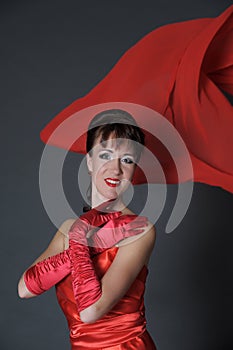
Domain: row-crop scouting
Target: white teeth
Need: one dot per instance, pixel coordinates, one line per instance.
(113, 182)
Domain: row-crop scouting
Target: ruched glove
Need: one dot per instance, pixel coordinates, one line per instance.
(45, 274)
(86, 285)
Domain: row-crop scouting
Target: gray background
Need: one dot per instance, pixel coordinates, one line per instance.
(53, 52)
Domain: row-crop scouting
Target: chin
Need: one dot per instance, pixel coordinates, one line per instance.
(111, 196)
(105, 196)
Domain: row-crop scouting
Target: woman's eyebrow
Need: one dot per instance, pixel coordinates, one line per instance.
(111, 151)
(106, 149)
(129, 154)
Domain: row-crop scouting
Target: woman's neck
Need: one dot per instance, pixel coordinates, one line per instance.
(116, 204)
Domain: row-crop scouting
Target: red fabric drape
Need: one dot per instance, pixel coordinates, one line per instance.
(178, 70)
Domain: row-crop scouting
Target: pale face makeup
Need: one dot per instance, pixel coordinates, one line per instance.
(112, 166)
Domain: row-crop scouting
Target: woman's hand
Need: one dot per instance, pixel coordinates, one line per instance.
(116, 230)
(93, 218)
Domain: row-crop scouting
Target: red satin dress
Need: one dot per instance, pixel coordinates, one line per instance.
(124, 327)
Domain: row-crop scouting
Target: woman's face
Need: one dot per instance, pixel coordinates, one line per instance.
(112, 167)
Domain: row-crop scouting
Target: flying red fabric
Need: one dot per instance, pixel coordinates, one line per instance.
(180, 71)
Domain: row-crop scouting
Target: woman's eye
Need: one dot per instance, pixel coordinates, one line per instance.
(105, 156)
(108, 156)
(127, 160)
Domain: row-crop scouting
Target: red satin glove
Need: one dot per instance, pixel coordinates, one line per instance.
(116, 230)
(46, 273)
(86, 285)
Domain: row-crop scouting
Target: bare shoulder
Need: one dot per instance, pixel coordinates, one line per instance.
(64, 231)
(143, 242)
(127, 211)
(138, 247)
(58, 242)
(66, 225)
(149, 234)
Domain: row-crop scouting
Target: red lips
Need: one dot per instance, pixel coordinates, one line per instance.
(111, 182)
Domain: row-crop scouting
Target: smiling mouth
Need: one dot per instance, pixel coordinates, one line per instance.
(112, 182)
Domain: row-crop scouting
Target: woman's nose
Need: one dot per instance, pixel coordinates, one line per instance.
(116, 166)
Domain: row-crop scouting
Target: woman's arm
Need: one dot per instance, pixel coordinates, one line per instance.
(119, 277)
(54, 264)
(56, 246)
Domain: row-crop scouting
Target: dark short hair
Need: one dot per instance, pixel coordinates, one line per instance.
(119, 123)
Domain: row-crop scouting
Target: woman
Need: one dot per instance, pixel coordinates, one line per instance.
(100, 288)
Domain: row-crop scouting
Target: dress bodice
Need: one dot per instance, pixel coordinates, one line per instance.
(124, 323)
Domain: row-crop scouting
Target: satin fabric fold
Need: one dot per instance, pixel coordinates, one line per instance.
(46, 273)
(124, 327)
(178, 70)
